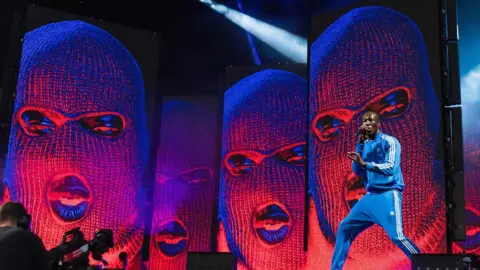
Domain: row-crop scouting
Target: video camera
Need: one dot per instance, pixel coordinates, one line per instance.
(74, 251)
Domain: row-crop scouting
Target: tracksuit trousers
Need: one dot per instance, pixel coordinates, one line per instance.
(384, 209)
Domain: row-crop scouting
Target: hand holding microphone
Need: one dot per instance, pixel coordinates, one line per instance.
(362, 132)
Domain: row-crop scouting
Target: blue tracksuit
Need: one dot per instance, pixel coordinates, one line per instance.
(382, 204)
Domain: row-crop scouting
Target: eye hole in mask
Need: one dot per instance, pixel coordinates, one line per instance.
(239, 164)
(197, 176)
(106, 125)
(391, 104)
(37, 123)
(296, 155)
(329, 127)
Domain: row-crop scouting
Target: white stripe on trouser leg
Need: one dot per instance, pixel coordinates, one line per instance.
(398, 225)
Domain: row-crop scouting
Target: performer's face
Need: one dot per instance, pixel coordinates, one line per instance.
(262, 182)
(185, 181)
(361, 70)
(76, 148)
(371, 123)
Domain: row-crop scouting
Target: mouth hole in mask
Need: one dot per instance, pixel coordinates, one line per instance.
(69, 198)
(272, 224)
(171, 238)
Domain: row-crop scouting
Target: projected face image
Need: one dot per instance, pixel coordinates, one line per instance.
(261, 204)
(184, 190)
(79, 141)
(374, 58)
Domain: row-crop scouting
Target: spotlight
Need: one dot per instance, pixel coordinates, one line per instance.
(292, 46)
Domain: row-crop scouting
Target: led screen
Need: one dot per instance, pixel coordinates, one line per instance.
(262, 179)
(187, 169)
(79, 140)
(381, 57)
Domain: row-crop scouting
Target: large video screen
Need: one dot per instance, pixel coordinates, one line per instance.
(262, 178)
(468, 23)
(79, 140)
(186, 181)
(378, 56)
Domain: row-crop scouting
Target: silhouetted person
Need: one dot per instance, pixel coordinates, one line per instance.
(20, 249)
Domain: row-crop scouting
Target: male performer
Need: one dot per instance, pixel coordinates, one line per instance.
(376, 160)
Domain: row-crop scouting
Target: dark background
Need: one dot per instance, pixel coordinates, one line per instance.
(234, 74)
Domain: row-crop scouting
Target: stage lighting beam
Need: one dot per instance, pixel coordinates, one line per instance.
(292, 46)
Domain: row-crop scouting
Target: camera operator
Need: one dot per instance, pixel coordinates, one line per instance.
(19, 248)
